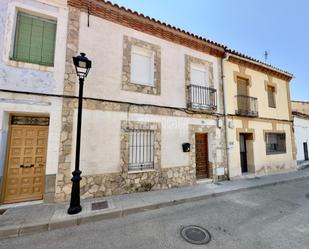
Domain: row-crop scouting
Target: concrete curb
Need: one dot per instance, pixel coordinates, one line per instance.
(26, 229)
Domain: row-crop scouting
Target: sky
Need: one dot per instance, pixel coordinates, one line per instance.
(249, 26)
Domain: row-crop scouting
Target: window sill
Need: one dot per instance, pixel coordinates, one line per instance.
(28, 65)
(141, 84)
(274, 153)
(141, 171)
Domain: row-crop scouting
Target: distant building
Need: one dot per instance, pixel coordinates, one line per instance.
(301, 128)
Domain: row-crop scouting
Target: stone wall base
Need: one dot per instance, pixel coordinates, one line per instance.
(276, 168)
(93, 186)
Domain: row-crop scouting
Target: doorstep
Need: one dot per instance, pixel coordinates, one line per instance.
(20, 204)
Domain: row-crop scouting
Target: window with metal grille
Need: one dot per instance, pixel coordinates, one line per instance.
(34, 39)
(271, 96)
(275, 143)
(141, 149)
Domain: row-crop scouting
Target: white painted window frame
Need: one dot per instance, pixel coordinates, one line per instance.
(35, 9)
(201, 68)
(147, 53)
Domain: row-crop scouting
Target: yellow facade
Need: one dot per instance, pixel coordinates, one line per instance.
(254, 127)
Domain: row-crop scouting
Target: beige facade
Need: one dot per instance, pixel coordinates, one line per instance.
(252, 116)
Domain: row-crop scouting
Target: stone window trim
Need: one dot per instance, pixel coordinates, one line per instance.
(282, 149)
(194, 60)
(189, 60)
(124, 143)
(273, 85)
(127, 85)
(242, 75)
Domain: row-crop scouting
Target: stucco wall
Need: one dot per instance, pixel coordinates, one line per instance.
(18, 76)
(103, 44)
(100, 149)
(25, 76)
(259, 163)
(258, 90)
(301, 130)
(16, 103)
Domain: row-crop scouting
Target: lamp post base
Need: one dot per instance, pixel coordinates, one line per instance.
(75, 206)
(74, 210)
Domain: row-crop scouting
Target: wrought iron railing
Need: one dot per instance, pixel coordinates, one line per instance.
(247, 106)
(201, 97)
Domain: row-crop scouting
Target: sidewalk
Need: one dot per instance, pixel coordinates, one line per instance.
(29, 219)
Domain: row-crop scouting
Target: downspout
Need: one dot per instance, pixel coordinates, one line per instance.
(226, 57)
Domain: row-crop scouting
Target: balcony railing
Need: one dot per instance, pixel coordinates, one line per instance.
(247, 106)
(201, 97)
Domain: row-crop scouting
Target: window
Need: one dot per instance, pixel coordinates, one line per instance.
(275, 143)
(271, 96)
(199, 75)
(34, 40)
(141, 149)
(242, 87)
(142, 66)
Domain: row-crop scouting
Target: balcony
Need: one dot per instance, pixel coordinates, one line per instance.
(246, 106)
(202, 98)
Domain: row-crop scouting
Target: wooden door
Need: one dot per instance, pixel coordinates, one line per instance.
(26, 159)
(201, 155)
(243, 153)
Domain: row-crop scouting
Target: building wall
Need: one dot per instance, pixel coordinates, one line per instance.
(260, 164)
(106, 51)
(257, 89)
(301, 128)
(269, 120)
(101, 155)
(105, 171)
(31, 78)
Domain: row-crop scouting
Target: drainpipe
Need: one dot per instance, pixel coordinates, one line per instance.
(226, 57)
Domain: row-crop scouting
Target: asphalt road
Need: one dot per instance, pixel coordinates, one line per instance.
(274, 217)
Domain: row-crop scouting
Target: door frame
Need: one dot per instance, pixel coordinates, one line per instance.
(207, 145)
(8, 144)
(246, 151)
(305, 148)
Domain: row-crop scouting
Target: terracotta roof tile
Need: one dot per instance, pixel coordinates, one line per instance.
(226, 49)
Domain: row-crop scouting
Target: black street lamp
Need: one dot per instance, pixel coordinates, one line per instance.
(82, 66)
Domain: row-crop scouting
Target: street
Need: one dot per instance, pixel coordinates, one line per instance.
(268, 217)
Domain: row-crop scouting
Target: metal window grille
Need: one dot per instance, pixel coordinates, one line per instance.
(34, 39)
(275, 143)
(141, 149)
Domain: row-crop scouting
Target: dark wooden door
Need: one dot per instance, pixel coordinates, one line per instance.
(243, 153)
(201, 155)
(306, 151)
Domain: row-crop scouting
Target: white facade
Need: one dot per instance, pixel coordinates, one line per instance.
(301, 130)
(106, 51)
(105, 81)
(17, 77)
